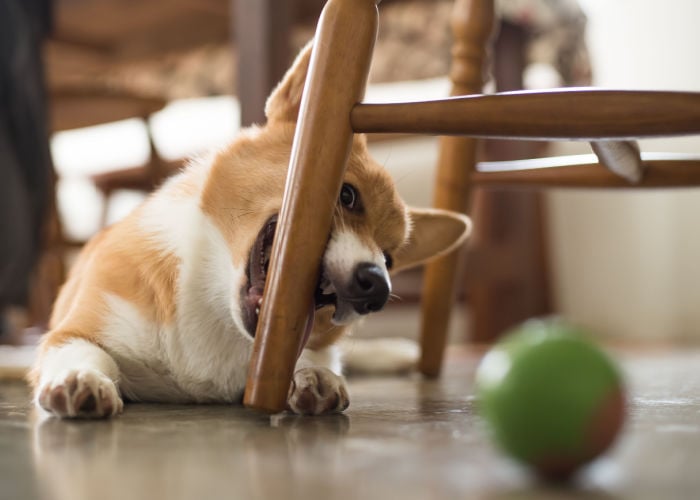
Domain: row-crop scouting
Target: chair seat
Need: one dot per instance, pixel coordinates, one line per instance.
(78, 106)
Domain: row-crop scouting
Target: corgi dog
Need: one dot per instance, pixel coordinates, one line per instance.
(163, 305)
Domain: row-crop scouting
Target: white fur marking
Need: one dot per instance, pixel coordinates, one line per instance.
(82, 365)
(327, 358)
(345, 251)
(77, 353)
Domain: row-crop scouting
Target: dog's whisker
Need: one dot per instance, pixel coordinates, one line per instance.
(243, 212)
(405, 176)
(235, 209)
(340, 220)
(329, 329)
(247, 200)
(388, 157)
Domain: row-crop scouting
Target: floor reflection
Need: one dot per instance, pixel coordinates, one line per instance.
(192, 452)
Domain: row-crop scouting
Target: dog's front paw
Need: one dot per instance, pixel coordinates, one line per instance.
(83, 393)
(317, 390)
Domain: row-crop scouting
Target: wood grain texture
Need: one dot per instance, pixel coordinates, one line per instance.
(336, 81)
(472, 25)
(575, 114)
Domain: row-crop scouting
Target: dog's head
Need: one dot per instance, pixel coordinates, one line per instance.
(373, 233)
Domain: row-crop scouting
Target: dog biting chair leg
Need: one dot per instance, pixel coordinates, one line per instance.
(335, 83)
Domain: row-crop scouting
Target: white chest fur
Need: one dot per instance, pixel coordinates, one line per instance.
(203, 354)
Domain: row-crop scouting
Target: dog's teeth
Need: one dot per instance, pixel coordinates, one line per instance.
(257, 311)
(260, 302)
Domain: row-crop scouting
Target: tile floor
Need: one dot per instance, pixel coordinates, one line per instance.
(402, 438)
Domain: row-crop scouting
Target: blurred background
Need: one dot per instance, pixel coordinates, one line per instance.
(134, 88)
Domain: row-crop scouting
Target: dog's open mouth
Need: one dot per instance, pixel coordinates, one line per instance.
(258, 265)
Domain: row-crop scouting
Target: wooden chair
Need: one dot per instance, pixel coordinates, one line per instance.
(74, 106)
(336, 80)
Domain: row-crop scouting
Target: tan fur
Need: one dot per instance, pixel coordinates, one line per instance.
(283, 104)
(239, 203)
(108, 263)
(146, 278)
(246, 184)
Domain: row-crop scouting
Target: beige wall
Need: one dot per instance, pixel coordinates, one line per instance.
(627, 264)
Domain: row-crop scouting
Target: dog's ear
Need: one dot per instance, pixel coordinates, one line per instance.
(283, 103)
(433, 233)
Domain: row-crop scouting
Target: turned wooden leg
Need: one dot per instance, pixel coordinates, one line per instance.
(336, 82)
(472, 25)
(506, 272)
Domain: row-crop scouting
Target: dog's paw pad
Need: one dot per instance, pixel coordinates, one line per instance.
(315, 391)
(80, 394)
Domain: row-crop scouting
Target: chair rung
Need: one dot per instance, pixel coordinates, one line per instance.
(662, 170)
(572, 114)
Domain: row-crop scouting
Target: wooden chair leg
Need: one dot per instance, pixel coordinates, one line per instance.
(506, 277)
(336, 82)
(509, 229)
(472, 25)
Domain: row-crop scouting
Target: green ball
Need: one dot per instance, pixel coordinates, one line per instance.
(552, 400)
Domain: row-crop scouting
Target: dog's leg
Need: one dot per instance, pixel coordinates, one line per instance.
(77, 379)
(317, 386)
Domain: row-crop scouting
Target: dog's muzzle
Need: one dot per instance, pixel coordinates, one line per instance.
(368, 289)
(365, 290)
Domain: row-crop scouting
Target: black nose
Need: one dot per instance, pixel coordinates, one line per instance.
(369, 288)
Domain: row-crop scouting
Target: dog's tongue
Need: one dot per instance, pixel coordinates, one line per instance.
(308, 327)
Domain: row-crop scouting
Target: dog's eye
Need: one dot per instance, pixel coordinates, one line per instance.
(349, 197)
(388, 260)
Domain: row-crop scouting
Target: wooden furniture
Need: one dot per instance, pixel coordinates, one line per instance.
(472, 30)
(88, 41)
(75, 100)
(74, 106)
(262, 31)
(505, 271)
(81, 105)
(336, 80)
